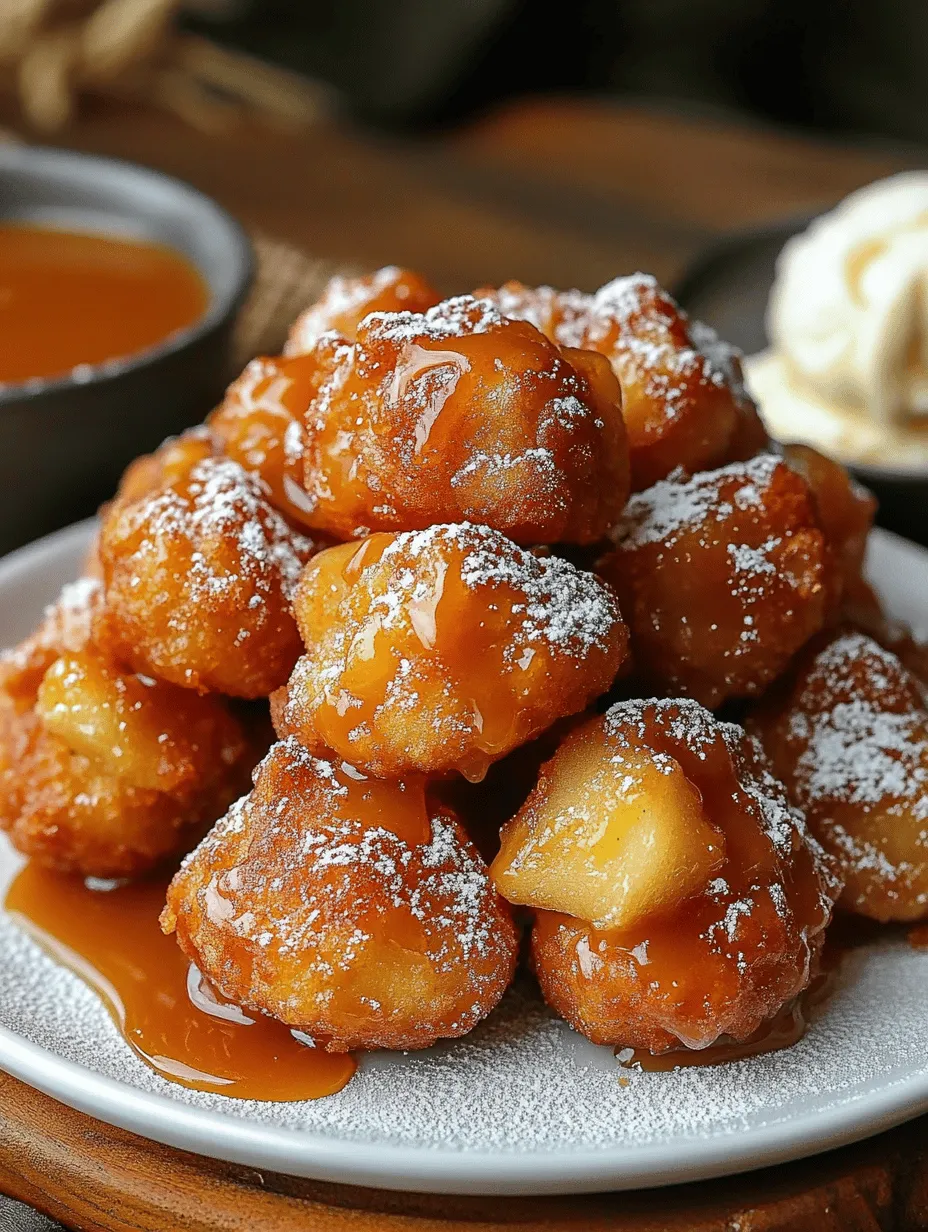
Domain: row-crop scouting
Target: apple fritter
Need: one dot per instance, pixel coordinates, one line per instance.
(722, 577)
(683, 395)
(198, 578)
(103, 772)
(353, 909)
(460, 414)
(677, 895)
(441, 650)
(345, 302)
(848, 734)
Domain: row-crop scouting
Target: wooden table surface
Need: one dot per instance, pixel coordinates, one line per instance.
(99, 1179)
(565, 192)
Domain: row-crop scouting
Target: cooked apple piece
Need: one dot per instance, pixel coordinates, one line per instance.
(147, 733)
(611, 836)
(725, 958)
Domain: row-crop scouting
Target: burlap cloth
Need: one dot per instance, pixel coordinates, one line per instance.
(286, 281)
(14, 1217)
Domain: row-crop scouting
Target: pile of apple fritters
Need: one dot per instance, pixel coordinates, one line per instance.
(525, 582)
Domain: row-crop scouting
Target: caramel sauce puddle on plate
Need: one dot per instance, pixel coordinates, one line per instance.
(168, 1014)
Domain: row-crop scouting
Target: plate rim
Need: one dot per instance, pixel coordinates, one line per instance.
(395, 1166)
(316, 1155)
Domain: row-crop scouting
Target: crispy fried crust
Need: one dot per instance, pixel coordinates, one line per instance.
(346, 301)
(104, 773)
(198, 577)
(443, 649)
(353, 909)
(462, 414)
(722, 577)
(847, 732)
(683, 395)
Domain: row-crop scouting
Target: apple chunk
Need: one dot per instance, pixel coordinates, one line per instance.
(609, 836)
(150, 734)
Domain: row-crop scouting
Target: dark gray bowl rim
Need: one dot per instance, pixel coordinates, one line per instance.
(717, 255)
(220, 307)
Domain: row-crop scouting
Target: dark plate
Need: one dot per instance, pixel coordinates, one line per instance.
(64, 443)
(728, 287)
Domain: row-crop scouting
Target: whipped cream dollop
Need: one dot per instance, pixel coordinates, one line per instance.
(848, 324)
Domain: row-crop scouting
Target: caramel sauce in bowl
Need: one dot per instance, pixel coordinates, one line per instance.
(70, 300)
(70, 426)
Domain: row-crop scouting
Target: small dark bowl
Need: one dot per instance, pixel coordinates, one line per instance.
(728, 287)
(65, 441)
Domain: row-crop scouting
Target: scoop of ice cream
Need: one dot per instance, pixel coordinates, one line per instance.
(848, 313)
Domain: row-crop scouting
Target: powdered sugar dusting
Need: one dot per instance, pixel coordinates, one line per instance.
(74, 607)
(695, 728)
(561, 315)
(724, 360)
(522, 1081)
(681, 504)
(67, 621)
(66, 626)
(860, 751)
(519, 303)
(632, 319)
(522, 1084)
(452, 318)
(568, 609)
(325, 877)
(650, 340)
(225, 503)
(342, 295)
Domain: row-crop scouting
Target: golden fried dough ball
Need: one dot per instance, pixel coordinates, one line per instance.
(862, 609)
(678, 896)
(346, 301)
(683, 392)
(460, 414)
(722, 577)
(848, 734)
(102, 772)
(560, 315)
(65, 627)
(442, 649)
(259, 425)
(353, 909)
(683, 395)
(844, 508)
(198, 581)
(171, 463)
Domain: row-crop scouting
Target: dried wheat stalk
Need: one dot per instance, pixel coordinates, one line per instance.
(53, 50)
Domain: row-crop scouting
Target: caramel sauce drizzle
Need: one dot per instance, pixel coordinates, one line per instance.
(181, 1027)
(167, 1013)
(787, 1027)
(784, 1030)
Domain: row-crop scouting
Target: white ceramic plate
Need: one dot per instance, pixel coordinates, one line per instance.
(523, 1105)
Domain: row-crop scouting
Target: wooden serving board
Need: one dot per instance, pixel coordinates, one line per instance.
(99, 1179)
